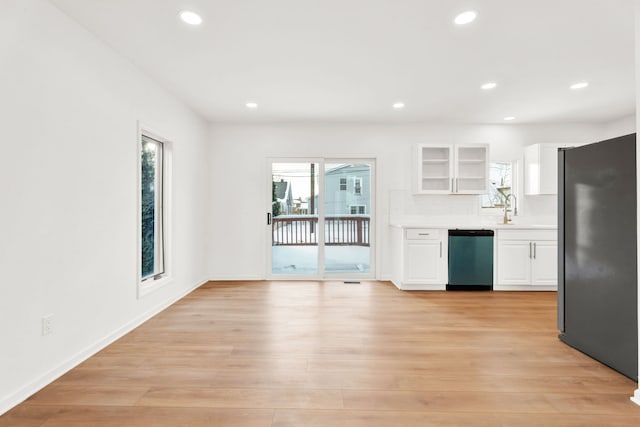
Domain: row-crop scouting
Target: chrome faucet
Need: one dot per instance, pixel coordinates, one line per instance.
(507, 203)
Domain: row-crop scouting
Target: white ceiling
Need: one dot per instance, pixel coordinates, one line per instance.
(350, 60)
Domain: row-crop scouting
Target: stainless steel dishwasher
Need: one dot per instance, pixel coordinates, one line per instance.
(470, 260)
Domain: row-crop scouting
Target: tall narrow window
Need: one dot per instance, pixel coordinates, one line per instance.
(152, 209)
(357, 186)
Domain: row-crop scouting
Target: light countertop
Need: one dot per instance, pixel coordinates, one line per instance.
(479, 223)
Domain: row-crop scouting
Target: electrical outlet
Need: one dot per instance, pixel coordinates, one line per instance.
(47, 324)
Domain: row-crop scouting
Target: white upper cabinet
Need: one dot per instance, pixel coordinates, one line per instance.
(435, 169)
(541, 168)
(453, 169)
(471, 169)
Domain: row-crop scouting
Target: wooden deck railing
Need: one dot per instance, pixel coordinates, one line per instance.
(302, 230)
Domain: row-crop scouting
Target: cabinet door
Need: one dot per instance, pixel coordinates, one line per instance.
(544, 270)
(541, 168)
(532, 169)
(424, 262)
(471, 169)
(549, 169)
(514, 262)
(435, 169)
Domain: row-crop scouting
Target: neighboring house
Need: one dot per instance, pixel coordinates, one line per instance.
(347, 190)
(283, 196)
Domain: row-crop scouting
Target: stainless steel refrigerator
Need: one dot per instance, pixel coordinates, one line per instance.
(597, 274)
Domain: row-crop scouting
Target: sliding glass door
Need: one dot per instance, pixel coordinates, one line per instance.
(294, 218)
(320, 218)
(347, 217)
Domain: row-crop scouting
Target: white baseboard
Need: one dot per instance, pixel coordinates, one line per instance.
(235, 278)
(525, 288)
(17, 397)
(422, 287)
(636, 397)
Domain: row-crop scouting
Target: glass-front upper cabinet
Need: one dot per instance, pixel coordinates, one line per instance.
(452, 169)
(435, 169)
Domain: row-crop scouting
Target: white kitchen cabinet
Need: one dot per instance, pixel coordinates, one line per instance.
(544, 271)
(452, 169)
(422, 261)
(471, 169)
(527, 260)
(515, 262)
(541, 168)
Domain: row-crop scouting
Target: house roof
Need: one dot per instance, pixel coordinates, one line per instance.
(281, 189)
(347, 168)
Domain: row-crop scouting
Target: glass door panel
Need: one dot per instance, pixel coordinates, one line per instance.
(294, 218)
(347, 217)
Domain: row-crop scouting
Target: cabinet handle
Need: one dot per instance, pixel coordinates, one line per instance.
(529, 249)
(423, 234)
(453, 189)
(456, 185)
(534, 251)
(440, 249)
(268, 218)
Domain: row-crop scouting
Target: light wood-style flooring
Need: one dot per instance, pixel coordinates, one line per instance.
(335, 354)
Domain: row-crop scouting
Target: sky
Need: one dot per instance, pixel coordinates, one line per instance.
(298, 174)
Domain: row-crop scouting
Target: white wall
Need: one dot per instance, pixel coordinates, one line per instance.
(69, 108)
(620, 127)
(237, 234)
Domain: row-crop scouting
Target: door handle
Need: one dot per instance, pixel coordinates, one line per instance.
(529, 249)
(268, 218)
(441, 249)
(534, 250)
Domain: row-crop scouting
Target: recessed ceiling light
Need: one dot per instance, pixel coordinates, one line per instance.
(509, 118)
(489, 86)
(190, 17)
(252, 105)
(398, 105)
(580, 85)
(465, 17)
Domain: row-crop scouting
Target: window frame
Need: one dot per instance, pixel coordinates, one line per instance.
(153, 282)
(357, 180)
(341, 184)
(364, 209)
(515, 189)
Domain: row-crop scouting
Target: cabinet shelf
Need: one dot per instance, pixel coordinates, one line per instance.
(452, 169)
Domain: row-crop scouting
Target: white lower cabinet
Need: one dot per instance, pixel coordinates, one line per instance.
(514, 262)
(527, 260)
(524, 259)
(544, 267)
(422, 261)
